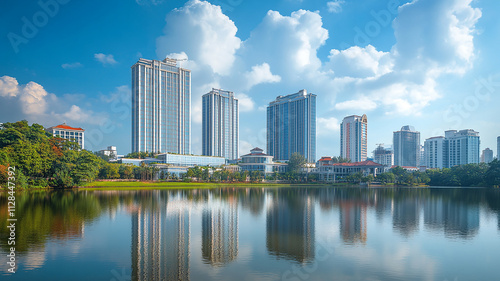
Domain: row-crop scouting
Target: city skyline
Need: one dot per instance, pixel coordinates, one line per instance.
(360, 57)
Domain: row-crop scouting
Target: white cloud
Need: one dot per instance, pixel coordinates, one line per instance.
(327, 126)
(360, 62)
(9, 87)
(105, 59)
(202, 31)
(33, 99)
(245, 103)
(335, 6)
(287, 43)
(245, 147)
(261, 73)
(362, 104)
(76, 113)
(71, 65)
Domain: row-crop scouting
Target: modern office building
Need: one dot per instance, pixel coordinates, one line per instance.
(161, 102)
(487, 156)
(190, 160)
(220, 124)
(406, 143)
(66, 132)
(461, 147)
(354, 138)
(383, 156)
(291, 126)
(434, 152)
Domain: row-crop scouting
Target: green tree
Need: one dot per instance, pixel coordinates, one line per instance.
(296, 162)
(492, 175)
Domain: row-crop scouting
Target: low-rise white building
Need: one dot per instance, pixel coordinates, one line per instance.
(257, 160)
(333, 172)
(69, 133)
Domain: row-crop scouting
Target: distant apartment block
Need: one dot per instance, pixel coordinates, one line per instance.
(110, 151)
(291, 126)
(434, 152)
(161, 102)
(455, 148)
(220, 123)
(406, 143)
(461, 147)
(384, 156)
(66, 132)
(487, 156)
(354, 138)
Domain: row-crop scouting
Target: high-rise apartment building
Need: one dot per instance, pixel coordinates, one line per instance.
(220, 124)
(487, 156)
(434, 152)
(354, 138)
(161, 105)
(406, 143)
(461, 147)
(291, 126)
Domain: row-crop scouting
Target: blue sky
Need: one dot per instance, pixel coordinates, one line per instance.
(427, 63)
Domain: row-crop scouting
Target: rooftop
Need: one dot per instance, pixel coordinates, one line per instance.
(66, 127)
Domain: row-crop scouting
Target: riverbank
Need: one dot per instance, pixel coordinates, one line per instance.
(187, 185)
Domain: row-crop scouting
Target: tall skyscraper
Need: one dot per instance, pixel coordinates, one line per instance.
(487, 156)
(220, 124)
(434, 152)
(406, 145)
(354, 138)
(461, 147)
(291, 126)
(161, 106)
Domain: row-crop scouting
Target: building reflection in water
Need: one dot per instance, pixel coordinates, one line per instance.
(220, 234)
(406, 215)
(290, 226)
(353, 221)
(160, 240)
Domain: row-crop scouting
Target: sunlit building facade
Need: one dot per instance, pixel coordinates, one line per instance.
(69, 133)
(291, 126)
(161, 107)
(461, 147)
(220, 124)
(354, 138)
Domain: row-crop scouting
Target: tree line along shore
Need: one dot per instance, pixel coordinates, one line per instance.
(44, 161)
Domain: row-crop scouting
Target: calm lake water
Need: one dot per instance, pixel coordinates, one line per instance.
(255, 234)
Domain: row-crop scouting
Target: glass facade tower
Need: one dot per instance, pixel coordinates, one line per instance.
(354, 138)
(291, 126)
(161, 106)
(406, 143)
(220, 124)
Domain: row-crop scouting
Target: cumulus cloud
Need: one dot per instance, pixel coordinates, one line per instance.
(288, 44)
(9, 87)
(245, 103)
(71, 65)
(203, 32)
(105, 59)
(362, 104)
(33, 99)
(327, 126)
(35, 103)
(403, 80)
(261, 74)
(360, 62)
(335, 6)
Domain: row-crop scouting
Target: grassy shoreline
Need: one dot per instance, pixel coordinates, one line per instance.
(99, 185)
